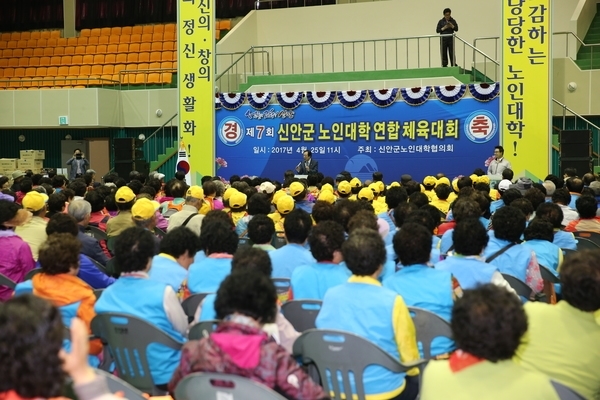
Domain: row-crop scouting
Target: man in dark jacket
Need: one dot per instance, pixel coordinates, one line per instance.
(447, 26)
(81, 210)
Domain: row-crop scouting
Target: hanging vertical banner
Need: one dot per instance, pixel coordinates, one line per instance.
(526, 86)
(196, 41)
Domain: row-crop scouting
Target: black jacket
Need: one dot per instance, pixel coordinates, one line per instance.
(442, 22)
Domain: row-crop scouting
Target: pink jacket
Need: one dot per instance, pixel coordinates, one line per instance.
(16, 260)
(246, 351)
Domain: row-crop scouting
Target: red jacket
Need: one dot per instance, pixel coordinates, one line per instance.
(246, 351)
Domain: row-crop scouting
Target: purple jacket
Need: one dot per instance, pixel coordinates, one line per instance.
(16, 260)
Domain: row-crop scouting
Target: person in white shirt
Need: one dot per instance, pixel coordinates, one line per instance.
(499, 163)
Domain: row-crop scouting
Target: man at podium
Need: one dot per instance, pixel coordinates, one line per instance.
(307, 165)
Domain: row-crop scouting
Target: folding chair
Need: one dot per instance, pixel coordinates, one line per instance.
(116, 384)
(7, 282)
(519, 286)
(190, 305)
(586, 244)
(202, 329)
(128, 338)
(97, 233)
(549, 275)
(344, 355)
(566, 393)
(302, 314)
(429, 326)
(222, 386)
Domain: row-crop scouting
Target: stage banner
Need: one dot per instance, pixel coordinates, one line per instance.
(196, 42)
(394, 137)
(527, 86)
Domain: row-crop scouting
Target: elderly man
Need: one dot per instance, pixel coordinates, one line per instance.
(188, 216)
(81, 210)
(499, 163)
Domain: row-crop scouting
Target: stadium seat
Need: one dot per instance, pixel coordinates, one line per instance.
(156, 56)
(144, 57)
(25, 35)
(147, 29)
(170, 27)
(21, 44)
(79, 49)
(5, 37)
(15, 36)
(55, 34)
(119, 68)
(77, 59)
(93, 40)
(72, 41)
(19, 72)
(42, 42)
(114, 39)
(82, 41)
(225, 24)
(116, 30)
(166, 78)
(144, 47)
(121, 58)
(12, 44)
(96, 69)
(34, 61)
(154, 65)
(136, 38)
(61, 42)
(39, 52)
(30, 71)
(101, 49)
(69, 50)
(96, 59)
(110, 59)
(131, 67)
(35, 35)
(7, 53)
(112, 49)
(143, 66)
(157, 37)
(90, 49)
(132, 58)
(134, 48)
(58, 51)
(63, 70)
(52, 42)
(49, 51)
(146, 38)
(74, 70)
(126, 30)
(53, 71)
(159, 28)
(45, 35)
(103, 40)
(108, 69)
(169, 36)
(41, 71)
(105, 31)
(95, 32)
(137, 30)
(2, 44)
(156, 46)
(3, 62)
(85, 33)
(166, 64)
(27, 52)
(9, 72)
(168, 46)
(217, 34)
(85, 70)
(124, 38)
(31, 43)
(13, 62)
(166, 56)
(44, 61)
(123, 48)
(24, 62)
(56, 60)
(17, 53)
(66, 60)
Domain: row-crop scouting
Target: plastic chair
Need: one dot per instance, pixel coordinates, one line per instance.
(302, 314)
(80, 50)
(159, 28)
(85, 32)
(567, 252)
(72, 41)
(132, 58)
(190, 305)
(42, 42)
(105, 31)
(36, 35)
(566, 393)
(167, 56)
(134, 47)
(34, 61)
(169, 36)
(82, 41)
(21, 44)
(55, 34)
(593, 236)
(103, 40)
(77, 60)
(147, 29)
(7, 282)
(61, 42)
(170, 27)
(89, 59)
(126, 30)
(202, 329)
(156, 46)
(45, 61)
(49, 51)
(344, 354)
(59, 51)
(157, 231)
(586, 244)
(128, 337)
(95, 32)
(429, 326)
(110, 59)
(41, 71)
(15, 36)
(202, 385)
(520, 287)
(52, 42)
(39, 52)
(146, 38)
(93, 40)
(548, 275)
(156, 56)
(136, 38)
(123, 48)
(27, 53)
(23, 62)
(124, 39)
(145, 47)
(114, 39)
(137, 30)
(45, 35)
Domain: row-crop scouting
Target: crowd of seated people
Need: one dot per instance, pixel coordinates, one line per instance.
(368, 251)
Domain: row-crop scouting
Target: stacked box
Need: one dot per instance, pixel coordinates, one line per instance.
(31, 159)
(8, 165)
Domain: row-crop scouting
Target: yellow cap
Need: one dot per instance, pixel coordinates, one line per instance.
(327, 186)
(374, 188)
(429, 181)
(124, 195)
(228, 193)
(296, 188)
(355, 182)
(443, 179)
(285, 204)
(34, 201)
(483, 179)
(195, 192)
(144, 209)
(278, 194)
(393, 184)
(473, 178)
(344, 187)
(455, 184)
(237, 200)
(365, 194)
(327, 196)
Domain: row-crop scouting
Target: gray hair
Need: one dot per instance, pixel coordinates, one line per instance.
(90, 171)
(550, 188)
(220, 188)
(79, 209)
(145, 223)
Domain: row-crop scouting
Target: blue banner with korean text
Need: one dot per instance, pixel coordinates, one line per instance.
(396, 138)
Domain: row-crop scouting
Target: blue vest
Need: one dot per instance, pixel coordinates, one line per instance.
(513, 262)
(206, 275)
(208, 308)
(495, 205)
(446, 241)
(574, 197)
(67, 312)
(547, 253)
(167, 271)
(365, 310)
(312, 281)
(305, 205)
(428, 288)
(565, 240)
(470, 272)
(143, 298)
(287, 258)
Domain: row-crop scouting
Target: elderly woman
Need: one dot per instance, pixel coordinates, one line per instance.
(245, 302)
(17, 259)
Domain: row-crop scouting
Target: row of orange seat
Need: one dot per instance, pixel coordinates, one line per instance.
(151, 78)
(87, 69)
(100, 49)
(129, 30)
(83, 40)
(99, 59)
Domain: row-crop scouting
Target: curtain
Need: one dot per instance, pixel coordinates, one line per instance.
(21, 15)
(104, 13)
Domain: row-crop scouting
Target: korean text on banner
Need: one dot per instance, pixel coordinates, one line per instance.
(526, 85)
(196, 86)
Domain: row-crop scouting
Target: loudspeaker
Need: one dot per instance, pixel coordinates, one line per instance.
(575, 144)
(582, 165)
(123, 168)
(124, 149)
(142, 167)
